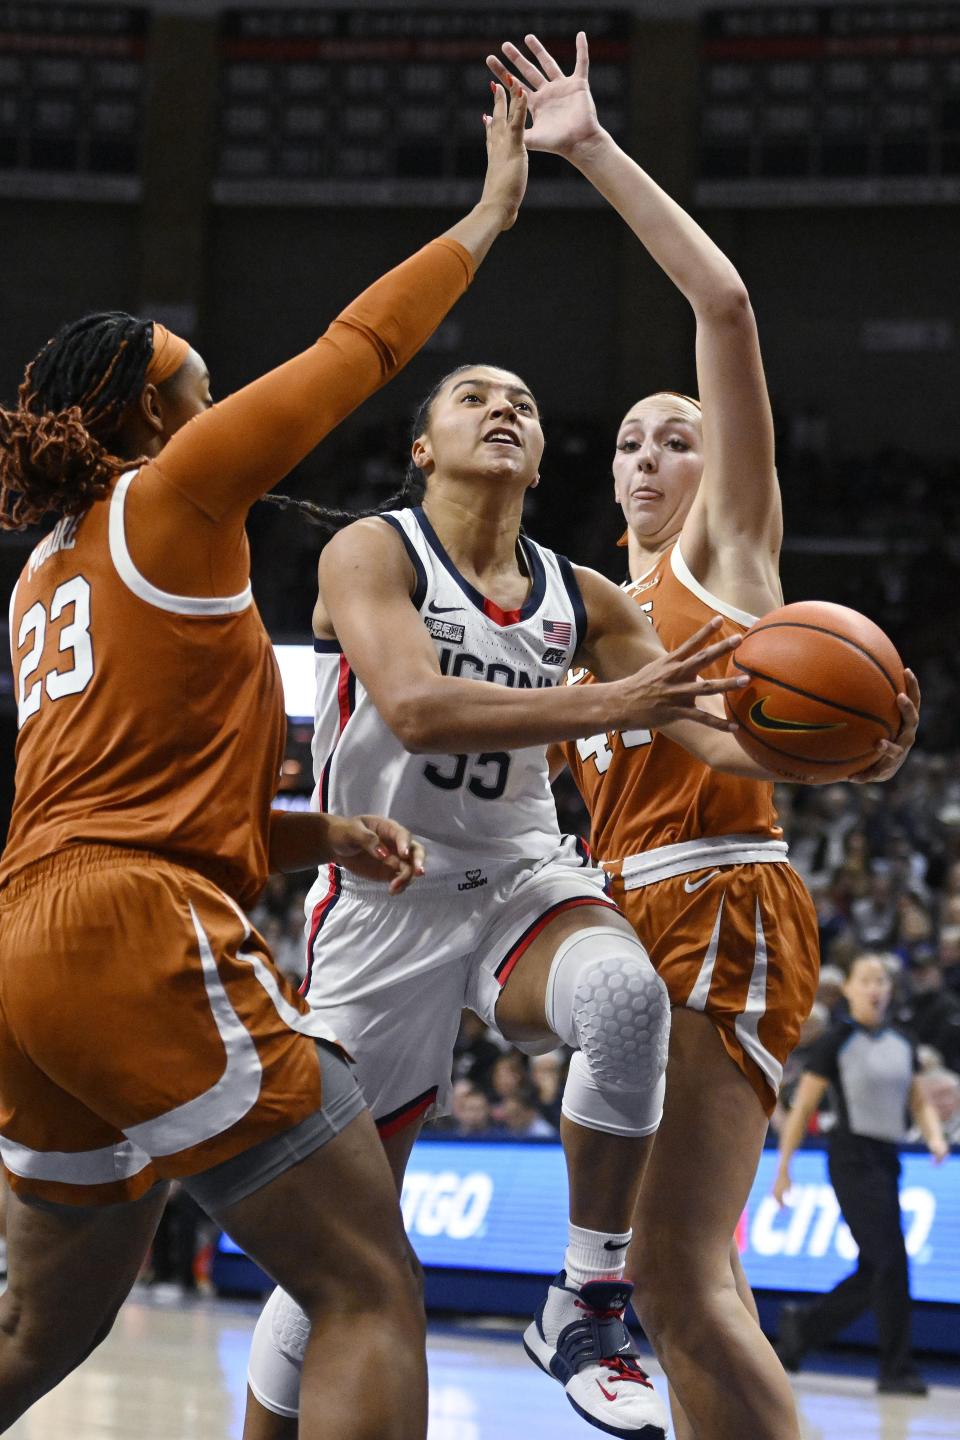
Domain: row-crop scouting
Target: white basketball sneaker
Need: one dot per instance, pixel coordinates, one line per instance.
(579, 1337)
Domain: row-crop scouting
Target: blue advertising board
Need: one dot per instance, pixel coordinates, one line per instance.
(502, 1207)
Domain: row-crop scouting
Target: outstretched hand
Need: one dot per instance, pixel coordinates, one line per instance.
(673, 687)
(376, 849)
(562, 113)
(891, 754)
(506, 178)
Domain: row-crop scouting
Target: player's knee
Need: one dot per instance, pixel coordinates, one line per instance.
(277, 1353)
(678, 1301)
(605, 998)
(100, 1333)
(282, 1332)
(47, 1345)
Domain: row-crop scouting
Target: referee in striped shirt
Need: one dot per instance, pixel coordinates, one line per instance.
(871, 1071)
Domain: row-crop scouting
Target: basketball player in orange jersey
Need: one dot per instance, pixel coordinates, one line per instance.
(145, 1033)
(697, 859)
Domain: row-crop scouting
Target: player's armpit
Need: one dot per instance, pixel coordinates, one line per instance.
(556, 761)
(620, 638)
(235, 452)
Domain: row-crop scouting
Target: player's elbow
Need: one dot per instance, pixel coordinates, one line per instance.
(729, 305)
(412, 720)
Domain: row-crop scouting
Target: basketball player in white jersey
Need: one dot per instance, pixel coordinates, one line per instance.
(511, 919)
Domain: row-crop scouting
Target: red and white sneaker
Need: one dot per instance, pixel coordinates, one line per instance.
(579, 1337)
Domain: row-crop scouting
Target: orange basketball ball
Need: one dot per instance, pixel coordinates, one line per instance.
(823, 690)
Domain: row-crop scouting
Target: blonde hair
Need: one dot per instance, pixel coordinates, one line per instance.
(673, 394)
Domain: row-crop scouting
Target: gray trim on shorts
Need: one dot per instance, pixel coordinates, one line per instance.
(232, 1180)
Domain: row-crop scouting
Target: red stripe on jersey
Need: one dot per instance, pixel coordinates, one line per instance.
(343, 692)
(320, 912)
(398, 1119)
(505, 968)
(501, 617)
(346, 698)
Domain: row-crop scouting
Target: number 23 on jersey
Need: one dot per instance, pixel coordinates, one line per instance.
(74, 641)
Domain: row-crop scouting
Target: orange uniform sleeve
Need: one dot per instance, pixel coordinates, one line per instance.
(226, 458)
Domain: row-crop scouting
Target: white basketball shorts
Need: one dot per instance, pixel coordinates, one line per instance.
(391, 973)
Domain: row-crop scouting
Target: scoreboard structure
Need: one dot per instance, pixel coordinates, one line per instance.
(72, 81)
(382, 107)
(844, 104)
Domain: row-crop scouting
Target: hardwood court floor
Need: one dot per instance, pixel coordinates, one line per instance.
(175, 1370)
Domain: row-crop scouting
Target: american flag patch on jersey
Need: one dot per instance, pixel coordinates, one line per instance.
(558, 632)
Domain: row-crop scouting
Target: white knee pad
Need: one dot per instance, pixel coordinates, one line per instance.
(605, 999)
(632, 1113)
(276, 1354)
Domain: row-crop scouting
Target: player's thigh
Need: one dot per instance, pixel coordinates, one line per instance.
(520, 1013)
(741, 948)
(71, 1267)
(389, 978)
(704, 1157)
(527, 914)
(328, 1229)
(398, 1148)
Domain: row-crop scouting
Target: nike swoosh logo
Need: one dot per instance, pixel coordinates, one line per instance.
(691, 885)
(615, 1245)
(609, 1395)
(763, 721)
(444, 609)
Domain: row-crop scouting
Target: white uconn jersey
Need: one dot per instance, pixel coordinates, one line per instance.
(470, 810)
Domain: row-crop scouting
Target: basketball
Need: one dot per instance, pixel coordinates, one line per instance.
(823, 690)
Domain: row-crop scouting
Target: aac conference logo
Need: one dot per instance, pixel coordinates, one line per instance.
(445, 1203)
(810, 1224)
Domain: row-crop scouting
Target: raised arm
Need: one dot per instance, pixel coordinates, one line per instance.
(739, 498)
(227, 457)
(366, 582)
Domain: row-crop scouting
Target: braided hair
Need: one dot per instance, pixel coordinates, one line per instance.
(411, 492)
(58, 447)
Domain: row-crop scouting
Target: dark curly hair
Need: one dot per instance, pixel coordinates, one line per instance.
(58, 447)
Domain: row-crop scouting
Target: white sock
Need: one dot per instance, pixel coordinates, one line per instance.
(595, 1255)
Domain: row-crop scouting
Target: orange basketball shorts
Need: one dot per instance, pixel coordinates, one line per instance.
(145, 1032)
(740, 943)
